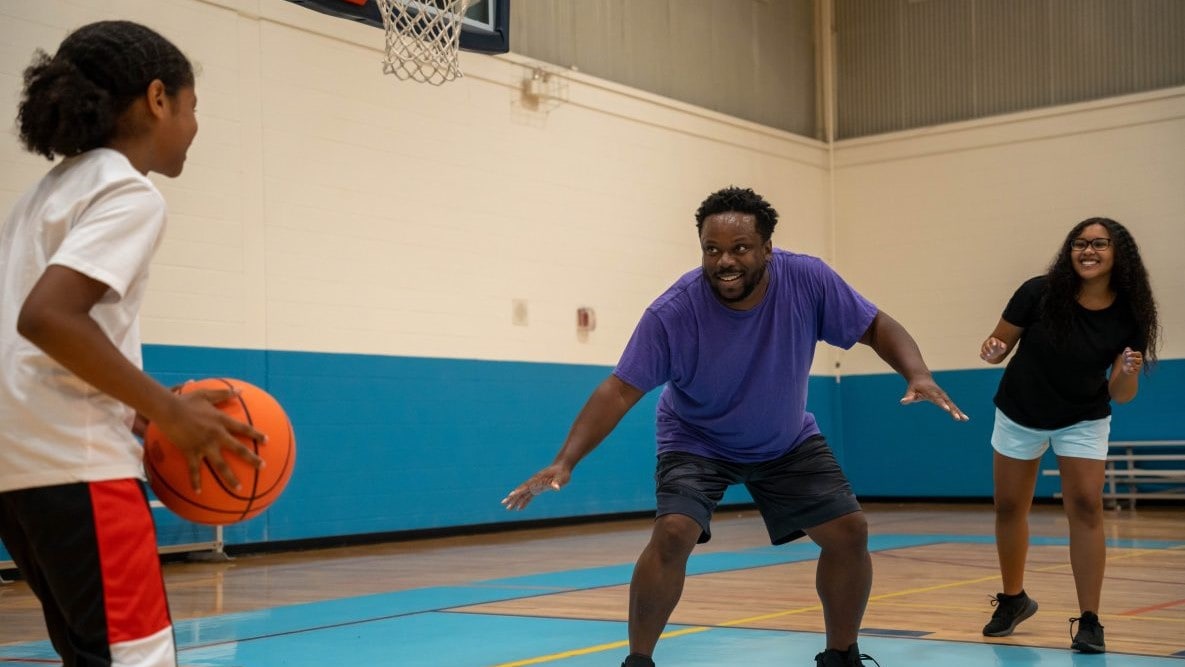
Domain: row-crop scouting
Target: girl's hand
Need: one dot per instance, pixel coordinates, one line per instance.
(1132, 361)
(992, 350)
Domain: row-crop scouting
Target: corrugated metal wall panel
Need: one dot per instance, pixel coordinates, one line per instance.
(899, 63)
(785, 82)
(911, 63)
(868, 66)
(752, 59)
(938, 61)
(1012, 56)
(1091, 49)
(1160, 48)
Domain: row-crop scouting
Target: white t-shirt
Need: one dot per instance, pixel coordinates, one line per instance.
(93, 213)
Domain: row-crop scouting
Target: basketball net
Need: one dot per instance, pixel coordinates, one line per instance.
(423, 37)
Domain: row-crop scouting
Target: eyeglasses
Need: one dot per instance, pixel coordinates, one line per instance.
(1096, 244)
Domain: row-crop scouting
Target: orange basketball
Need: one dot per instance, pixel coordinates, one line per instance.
(218, 504)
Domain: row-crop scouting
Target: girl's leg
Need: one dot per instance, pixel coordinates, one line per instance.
(1082, 497)
(1014, 481)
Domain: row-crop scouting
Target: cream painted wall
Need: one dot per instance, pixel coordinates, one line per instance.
(326, 207)
(945, 223)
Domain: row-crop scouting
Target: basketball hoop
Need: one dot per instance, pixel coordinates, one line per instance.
(423, 37)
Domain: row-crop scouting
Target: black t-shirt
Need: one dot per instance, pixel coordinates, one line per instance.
(1049, 385)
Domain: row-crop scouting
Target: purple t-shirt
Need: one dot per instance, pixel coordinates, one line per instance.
(736, 379)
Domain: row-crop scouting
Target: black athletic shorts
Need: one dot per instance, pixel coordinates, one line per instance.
(801, 489)
(88, 551)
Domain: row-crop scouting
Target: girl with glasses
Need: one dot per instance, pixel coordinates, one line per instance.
(1085, 330)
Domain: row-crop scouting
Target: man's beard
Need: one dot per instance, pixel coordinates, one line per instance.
(750, 285)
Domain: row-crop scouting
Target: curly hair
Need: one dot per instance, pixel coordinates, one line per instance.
(1129, 279)
(72, 101)
(739, 200)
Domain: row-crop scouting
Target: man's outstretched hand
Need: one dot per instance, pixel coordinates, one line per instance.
(928, 390)
(552, 478)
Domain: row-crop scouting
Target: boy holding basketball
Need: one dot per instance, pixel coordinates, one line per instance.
(117, 102)
(733, 342)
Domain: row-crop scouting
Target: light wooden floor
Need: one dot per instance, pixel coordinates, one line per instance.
(938, 590)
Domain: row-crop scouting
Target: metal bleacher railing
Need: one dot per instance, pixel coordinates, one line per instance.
(1142, 469)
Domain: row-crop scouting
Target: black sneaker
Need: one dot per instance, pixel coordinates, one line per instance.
(849, 658)
(1010, 611)
(1089, 638)
(637, 660)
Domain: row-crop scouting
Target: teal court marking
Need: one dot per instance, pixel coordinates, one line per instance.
(441, 639)
(414, 627)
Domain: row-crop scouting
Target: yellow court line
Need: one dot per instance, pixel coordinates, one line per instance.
(1136, 553)
(926, 589)
(1067, 611)
(800, 610)
(596, 649)
(765, 617)
(874, 598)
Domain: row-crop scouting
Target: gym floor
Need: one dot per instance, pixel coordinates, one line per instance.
(558, 596)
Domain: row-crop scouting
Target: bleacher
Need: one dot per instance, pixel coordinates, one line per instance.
(1142, 469)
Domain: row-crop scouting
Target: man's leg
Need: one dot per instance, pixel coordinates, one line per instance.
(843, 577)
(658, 579)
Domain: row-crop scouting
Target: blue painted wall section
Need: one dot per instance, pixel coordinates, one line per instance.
(389, 444)
(918, 450)
(890, 450)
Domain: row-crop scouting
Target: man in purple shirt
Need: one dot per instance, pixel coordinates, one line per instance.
(733, 343)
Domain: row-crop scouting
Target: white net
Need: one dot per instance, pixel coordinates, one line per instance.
(423, 37)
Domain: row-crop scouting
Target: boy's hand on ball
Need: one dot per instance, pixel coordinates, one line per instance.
(202, 431)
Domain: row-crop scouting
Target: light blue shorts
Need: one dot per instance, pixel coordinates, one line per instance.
(1084, 440)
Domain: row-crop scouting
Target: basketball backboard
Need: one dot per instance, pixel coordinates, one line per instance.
(486, 28)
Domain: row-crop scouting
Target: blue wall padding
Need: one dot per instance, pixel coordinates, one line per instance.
(915, 451)
(389, 444)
